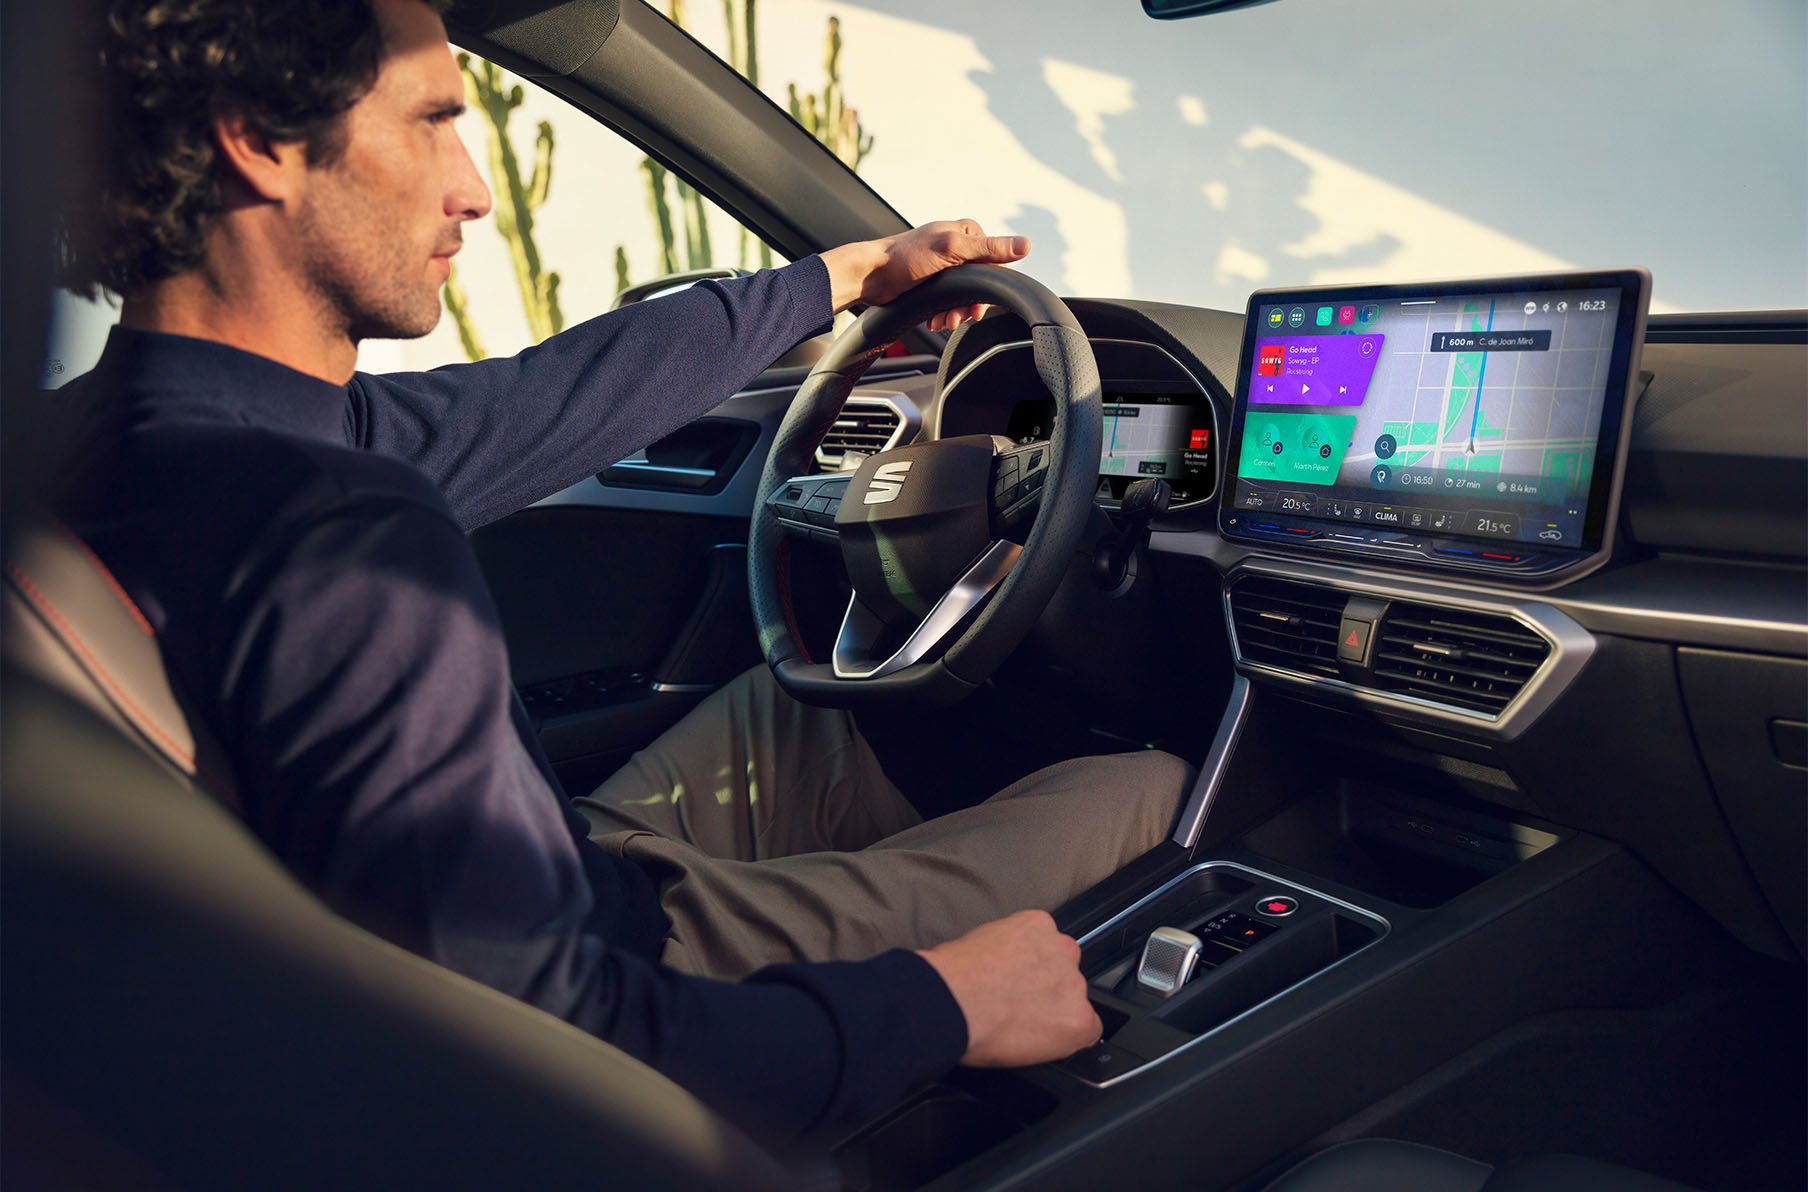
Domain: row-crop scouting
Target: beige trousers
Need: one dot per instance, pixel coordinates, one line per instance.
(773, 836)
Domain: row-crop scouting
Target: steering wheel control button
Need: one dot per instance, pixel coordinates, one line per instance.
(1353, 637)
(1276, 906)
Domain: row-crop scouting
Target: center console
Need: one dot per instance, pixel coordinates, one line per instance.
(1326, 930)
(1210, 945)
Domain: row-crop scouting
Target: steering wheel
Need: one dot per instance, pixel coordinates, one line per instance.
(952, 547)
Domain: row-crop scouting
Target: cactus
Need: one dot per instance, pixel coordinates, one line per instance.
(828, 118)
(689, 215)
(696, 228)
(460, 310)
(662, 214)
(621, 268)
(515, 213)
(740, 18)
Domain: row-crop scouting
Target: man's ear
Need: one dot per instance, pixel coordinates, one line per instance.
(270, 170)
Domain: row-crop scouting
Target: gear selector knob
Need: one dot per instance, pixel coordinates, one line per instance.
(1168, 960)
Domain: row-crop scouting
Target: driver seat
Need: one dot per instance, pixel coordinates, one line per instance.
(182, 1013)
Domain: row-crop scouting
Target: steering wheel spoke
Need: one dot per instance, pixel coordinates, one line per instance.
(952, 547)
(860, 648)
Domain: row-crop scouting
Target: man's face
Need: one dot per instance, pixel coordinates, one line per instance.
(378, 226)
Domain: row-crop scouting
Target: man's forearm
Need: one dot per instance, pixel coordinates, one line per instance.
(850, 266)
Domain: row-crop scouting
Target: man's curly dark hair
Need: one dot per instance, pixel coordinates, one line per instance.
(168, 69)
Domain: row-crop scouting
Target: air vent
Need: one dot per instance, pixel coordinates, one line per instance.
(1288, 625)
(865, 426)
(1470, 660)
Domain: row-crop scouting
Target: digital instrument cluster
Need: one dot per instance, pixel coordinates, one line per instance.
(1162, 436)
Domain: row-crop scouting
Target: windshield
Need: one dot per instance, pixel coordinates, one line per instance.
(1317, 141)
(1296, 143)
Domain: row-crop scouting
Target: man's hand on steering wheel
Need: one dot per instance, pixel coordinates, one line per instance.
(874, 272)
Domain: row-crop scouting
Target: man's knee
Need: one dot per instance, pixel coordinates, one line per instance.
(1149, 775)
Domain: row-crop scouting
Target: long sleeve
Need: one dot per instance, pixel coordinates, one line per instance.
(321, 609)
(371, 710)
(498, 435)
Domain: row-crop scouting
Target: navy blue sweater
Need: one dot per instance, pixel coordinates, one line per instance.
(298, 547)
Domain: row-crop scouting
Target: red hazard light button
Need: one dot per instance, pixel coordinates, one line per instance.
(1353, 640)
(1276, 906)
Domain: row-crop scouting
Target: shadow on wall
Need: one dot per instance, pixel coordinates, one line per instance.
(1175, 171)
(1322, 140)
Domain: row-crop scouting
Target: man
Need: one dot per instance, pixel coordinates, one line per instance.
(288, 183)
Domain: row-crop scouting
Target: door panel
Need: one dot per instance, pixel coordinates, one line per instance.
(597, 605)
(624, 598)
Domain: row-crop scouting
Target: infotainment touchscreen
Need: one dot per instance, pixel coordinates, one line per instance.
(1476, 423)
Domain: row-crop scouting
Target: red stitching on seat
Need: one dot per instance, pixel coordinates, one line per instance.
(144, 721)
(108, 576)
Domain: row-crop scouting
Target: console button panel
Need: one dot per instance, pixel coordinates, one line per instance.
(1252, 953)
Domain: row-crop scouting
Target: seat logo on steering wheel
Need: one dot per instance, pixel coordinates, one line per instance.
(887, 483)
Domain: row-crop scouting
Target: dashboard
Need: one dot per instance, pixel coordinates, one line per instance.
(1582, 679)
(1650, 692)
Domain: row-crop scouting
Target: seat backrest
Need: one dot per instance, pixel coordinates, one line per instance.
(65, 618)
(172, 989)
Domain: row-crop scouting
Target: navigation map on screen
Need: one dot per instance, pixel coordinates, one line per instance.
(1471, 414)
(1148, 440)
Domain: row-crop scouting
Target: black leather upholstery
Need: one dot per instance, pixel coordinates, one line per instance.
(1569, 1173)
(65, 619)
(179, 998)
(1386, 1165)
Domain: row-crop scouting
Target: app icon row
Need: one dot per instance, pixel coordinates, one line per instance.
(1324, 316)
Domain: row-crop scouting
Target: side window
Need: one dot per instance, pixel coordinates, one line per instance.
(580, 215)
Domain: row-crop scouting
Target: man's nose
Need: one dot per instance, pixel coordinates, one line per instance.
(467, 197)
